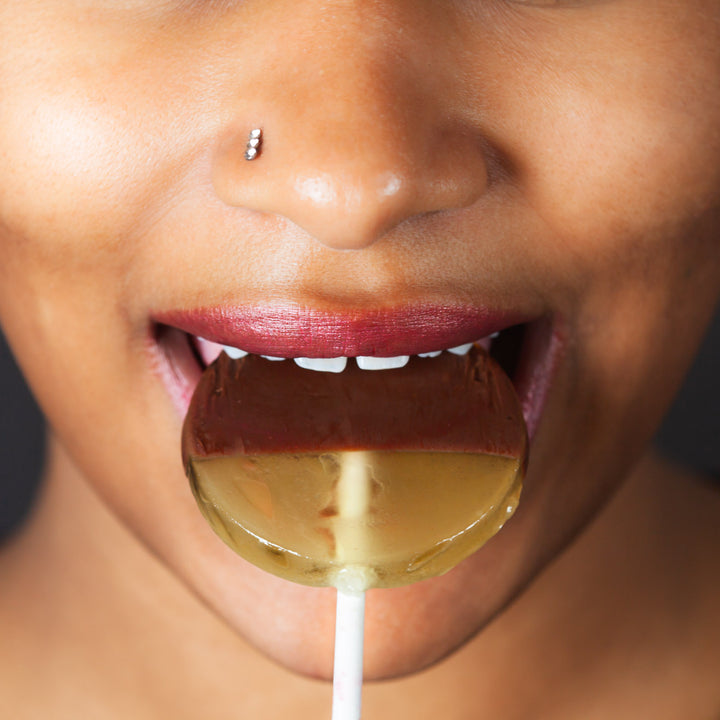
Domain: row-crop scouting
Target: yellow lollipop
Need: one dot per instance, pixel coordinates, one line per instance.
(355, 480)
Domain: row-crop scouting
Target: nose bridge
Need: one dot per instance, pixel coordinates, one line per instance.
(350, 137)
(361, 156)
(356, 139)
(356, 120)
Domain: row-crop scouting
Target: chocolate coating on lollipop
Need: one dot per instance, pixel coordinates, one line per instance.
(449, 403)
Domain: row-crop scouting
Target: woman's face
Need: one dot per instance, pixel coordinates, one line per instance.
(484, 162)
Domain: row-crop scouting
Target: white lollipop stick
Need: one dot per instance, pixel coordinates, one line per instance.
(350, 537)
(348, 671)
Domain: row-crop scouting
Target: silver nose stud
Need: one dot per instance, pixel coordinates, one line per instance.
(254, 144)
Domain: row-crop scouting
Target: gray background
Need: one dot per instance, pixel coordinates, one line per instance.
(690, 434)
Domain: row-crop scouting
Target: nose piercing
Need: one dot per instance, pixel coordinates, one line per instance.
(254, 144)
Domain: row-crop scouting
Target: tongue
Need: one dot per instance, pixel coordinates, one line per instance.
(449, 403)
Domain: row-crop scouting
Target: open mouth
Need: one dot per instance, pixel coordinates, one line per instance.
(208, 351)
(185, 344)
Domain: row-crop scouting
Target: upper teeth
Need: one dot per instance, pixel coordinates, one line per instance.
(461, 349)
(234, 352)
(337, 364)
(370, 362)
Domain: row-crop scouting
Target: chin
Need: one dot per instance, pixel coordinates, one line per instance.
(407, 629)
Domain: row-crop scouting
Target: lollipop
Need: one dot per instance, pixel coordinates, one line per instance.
(355, 480)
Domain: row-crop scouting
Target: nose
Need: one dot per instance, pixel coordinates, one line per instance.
(358, 135)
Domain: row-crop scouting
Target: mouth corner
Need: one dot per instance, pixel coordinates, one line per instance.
(177, 362)
(532, 357)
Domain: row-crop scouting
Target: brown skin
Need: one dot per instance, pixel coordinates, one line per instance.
(559, 159)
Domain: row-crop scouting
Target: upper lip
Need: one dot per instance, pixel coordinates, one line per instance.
(292, 330)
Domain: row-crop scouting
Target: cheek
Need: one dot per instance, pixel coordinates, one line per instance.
(627, 192)
(91, 143)
(74, 169)
(617, 169)
(64, 203)
(97, 124)
(611, 130)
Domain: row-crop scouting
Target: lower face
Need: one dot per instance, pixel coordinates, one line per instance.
(551, 176)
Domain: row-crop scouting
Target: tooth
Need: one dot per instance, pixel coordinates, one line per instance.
(335, 365)
(233, 352)
(272, 357)
(461, 349)
(432, 354)
(370, 362)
